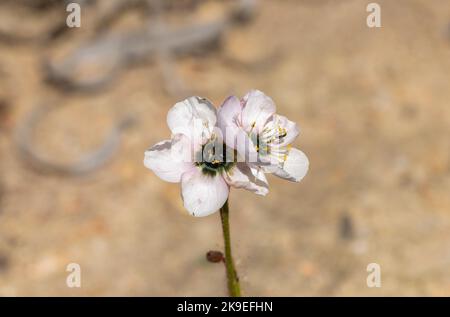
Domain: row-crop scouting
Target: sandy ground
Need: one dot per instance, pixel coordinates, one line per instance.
(373, 107)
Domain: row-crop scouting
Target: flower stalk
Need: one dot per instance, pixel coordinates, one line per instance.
(234, 287)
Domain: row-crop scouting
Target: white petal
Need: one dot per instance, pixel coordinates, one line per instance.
(203, 194)
(193, 112)
(247, 177)
(258, 108)
(169, 159)
(295, 167)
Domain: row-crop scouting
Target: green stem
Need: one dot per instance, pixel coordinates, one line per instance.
(233, 279)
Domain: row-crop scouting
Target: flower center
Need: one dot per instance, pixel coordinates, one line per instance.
(215, 157)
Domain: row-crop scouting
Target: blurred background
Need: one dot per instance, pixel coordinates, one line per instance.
(79, 106)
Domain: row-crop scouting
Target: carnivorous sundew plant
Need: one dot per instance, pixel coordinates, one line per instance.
(212, 150)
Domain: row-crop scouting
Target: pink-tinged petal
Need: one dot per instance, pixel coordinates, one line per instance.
(169, 159)
(203, 194)
(228, 120)
(247, 177)
(236, 138)
(191, 115)
(258, 108)
(245, 147)
(295, 167)
(229, 112)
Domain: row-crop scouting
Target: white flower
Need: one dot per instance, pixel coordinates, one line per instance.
(197, 157)
(263, 137)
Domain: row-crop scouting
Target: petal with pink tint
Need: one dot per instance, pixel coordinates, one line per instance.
(258, 108)
(228, 120)
(245, 147)
(229, 112)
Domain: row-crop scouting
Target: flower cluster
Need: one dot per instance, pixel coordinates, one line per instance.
(236, 145)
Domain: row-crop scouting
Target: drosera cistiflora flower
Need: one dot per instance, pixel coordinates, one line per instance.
(210, 151)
